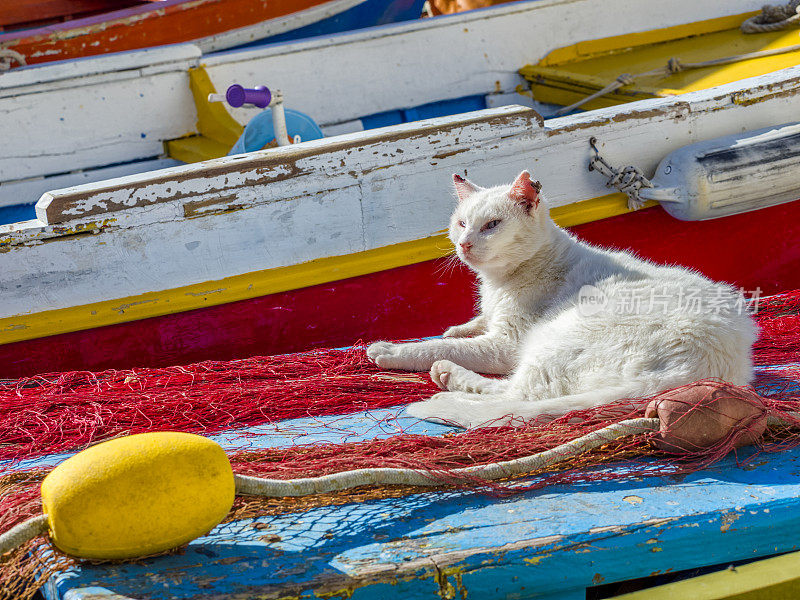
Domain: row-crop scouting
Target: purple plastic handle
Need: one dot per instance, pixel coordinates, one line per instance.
(238, 96)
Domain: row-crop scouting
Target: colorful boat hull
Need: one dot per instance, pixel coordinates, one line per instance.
(212, 24)
(417, 300)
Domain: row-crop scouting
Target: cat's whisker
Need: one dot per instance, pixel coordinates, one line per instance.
(448, 265)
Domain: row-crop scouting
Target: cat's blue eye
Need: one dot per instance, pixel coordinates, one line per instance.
(462, 224)
(491, 225)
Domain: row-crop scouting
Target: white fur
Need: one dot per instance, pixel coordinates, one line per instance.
(558, 357)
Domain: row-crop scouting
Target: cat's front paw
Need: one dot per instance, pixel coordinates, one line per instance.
(412, 356)
(382, 353)
(394, 356)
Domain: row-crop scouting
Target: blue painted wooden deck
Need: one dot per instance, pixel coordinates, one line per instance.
(552, 543)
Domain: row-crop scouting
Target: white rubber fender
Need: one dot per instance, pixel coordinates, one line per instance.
(729, 175)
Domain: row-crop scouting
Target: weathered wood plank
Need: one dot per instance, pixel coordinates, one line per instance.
(96, 69)
(97, 124)
(16, 192)
(376, 149)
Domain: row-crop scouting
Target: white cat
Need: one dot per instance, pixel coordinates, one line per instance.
(572, 325)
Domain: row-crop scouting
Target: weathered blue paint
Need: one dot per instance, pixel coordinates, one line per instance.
(93, 593)
(17, 212)
(546, 544)
(442, 108)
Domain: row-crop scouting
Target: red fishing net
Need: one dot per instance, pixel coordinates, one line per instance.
(62, 412)
(66, 412)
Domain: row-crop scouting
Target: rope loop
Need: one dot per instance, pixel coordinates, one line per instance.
(23, 533)
(674, 65)
(257, 486)
(7, 56)
(773, 18)
(626, 79)
(628, 180)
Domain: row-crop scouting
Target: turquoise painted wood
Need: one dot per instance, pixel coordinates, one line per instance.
(547, 544)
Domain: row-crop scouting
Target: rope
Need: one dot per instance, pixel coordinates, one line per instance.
(24, 532)
(673, 66)
(773, 18)
(395, 476)
(7, 56)
(628, 180)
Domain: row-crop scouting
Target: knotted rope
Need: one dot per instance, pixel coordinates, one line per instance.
(674, 65)
(7, 56)
(628, 180)
(773, 18)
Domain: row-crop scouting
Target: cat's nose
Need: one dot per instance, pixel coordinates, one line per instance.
(465, 246)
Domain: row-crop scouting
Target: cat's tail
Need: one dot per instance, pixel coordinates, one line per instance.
(495, 410)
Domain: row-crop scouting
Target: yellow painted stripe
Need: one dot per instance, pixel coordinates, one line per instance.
(775, 578)
(593, 210)
(597, 47)
(263, 283)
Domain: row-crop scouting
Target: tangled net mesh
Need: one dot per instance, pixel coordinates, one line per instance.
(66, 412)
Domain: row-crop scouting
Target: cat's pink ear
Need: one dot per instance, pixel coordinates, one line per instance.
(464, 187)
(525, 191)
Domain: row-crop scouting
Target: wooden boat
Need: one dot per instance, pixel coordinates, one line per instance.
(112, 116)
(87, 28)
(234, 256)
(667, 62)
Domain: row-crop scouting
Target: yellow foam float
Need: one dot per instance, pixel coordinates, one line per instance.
(137, 495)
